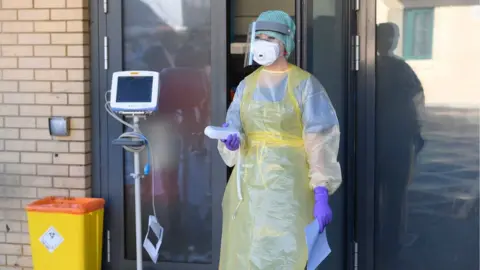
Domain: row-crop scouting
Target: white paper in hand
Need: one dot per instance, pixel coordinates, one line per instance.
(318, 248)
(157, 230)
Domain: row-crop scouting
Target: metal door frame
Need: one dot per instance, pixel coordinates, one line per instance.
(99, 119)
(365, 133)
(107, 160)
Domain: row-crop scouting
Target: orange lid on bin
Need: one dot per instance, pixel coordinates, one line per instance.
(66, 205)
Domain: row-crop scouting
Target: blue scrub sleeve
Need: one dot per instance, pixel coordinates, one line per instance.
(234, 121)
(321, 136)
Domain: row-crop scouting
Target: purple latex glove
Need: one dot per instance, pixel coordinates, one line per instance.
(232, 142)
(321, 210)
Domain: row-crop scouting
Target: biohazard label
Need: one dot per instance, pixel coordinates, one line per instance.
(51, 239)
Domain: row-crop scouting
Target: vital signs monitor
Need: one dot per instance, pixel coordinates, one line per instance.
(134, 91)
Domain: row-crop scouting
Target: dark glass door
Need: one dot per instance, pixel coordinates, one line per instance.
(422, 82)
(185, 41)
(326, 41)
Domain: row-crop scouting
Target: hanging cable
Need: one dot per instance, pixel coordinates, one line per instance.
(135, 134)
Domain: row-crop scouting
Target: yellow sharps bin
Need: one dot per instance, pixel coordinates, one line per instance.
(66, 233)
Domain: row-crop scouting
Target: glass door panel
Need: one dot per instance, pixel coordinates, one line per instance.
(427, 135)
(175, 38)
(325, 40)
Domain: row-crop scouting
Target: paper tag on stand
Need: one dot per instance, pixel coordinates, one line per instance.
(154, 227)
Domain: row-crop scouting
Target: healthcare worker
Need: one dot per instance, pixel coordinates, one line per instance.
(286, 154)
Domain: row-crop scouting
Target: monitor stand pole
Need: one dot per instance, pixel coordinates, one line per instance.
(138, 201)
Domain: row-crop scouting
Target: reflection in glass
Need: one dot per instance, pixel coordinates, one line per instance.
(173, 37)
(427, 137)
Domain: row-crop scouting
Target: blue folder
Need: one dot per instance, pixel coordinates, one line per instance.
(318, 248)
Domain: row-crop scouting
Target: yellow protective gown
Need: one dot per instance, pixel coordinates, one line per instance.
(265, 230)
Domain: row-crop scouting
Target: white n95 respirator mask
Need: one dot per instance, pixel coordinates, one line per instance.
(265, 52)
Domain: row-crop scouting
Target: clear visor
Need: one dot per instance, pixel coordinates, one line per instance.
(253, 30)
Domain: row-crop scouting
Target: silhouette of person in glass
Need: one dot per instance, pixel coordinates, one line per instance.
(400, 103)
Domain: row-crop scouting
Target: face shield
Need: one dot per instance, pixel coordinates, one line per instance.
(264, 51)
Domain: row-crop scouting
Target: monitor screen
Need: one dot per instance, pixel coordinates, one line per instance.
(134, 89)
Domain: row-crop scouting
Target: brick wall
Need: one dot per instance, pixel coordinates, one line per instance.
(43, 72)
